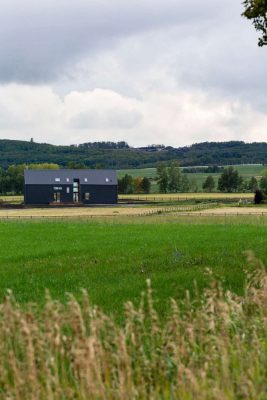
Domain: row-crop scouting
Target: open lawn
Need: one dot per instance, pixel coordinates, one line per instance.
(112, 260)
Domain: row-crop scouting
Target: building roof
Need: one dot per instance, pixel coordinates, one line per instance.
(66, 176)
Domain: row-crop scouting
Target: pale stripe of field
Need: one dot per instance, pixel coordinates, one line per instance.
(232, 211)
(74, 212)
(187, 196)
(89, 212)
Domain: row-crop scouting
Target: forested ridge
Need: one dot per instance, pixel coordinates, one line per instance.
(120, 155)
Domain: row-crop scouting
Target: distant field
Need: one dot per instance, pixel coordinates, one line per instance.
(246, 171)
(113, 260)
(13, 199)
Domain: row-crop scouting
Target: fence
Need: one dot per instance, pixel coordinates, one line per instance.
(184, 198)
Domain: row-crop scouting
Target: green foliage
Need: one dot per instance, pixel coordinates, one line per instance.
(145, 185)
(121, 157)
(185, 184)
(253, 184)
(209, 184)
(171, 179)
(174, 177)
(76, 165)
(12, 180)
(258, 198)
(126, 184)
(162, 178)
(263, 182)
(137, 185)
(256, 10)
(230, 181)
(193, 185)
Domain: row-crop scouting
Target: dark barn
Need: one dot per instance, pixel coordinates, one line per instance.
(70, 186)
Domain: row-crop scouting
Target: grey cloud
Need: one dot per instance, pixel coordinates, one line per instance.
(40, 40)
(105, 120)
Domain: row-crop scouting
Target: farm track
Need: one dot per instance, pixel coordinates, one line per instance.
(208, 210)
(96, 212)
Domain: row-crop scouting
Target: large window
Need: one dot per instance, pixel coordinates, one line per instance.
(76, 190)
(57, 197)
(86, 196)
(76, 197)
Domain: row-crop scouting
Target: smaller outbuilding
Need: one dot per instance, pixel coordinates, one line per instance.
(70, 186)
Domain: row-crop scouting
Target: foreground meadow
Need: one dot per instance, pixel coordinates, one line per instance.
(215, 350)
(171, 308)
(112, 259)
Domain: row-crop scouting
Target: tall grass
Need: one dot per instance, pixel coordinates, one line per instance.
(216, 349)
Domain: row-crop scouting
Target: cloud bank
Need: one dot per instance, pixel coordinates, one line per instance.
(172, 71)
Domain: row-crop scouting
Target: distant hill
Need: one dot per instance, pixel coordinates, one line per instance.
(120, 155)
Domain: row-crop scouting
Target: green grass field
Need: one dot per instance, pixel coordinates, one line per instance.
(112, 260)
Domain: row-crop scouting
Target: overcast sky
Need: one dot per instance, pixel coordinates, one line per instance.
(175, 72)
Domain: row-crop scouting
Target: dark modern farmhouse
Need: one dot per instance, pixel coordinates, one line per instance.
(70, 186)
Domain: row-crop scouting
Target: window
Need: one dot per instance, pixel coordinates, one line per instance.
(85, 180)
(57, 197)
(86, 196)
(107, 180)
(76, 197)
(57, 179)
(67, 179)
(67, 190)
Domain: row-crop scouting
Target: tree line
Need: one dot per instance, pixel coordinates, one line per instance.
(119, 155)
(12, 179)
(170, 179)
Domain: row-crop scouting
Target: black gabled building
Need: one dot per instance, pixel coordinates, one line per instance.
(83, 186)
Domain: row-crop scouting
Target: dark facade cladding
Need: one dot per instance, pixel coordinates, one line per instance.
(70, 187)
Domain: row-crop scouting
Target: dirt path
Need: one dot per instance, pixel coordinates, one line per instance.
(233, 211)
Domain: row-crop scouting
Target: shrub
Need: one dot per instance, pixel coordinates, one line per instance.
(258, 198)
